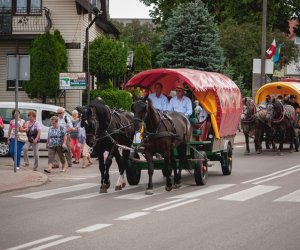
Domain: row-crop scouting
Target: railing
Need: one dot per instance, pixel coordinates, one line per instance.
(38, 21)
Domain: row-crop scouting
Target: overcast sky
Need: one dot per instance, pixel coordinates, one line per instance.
(128, 9)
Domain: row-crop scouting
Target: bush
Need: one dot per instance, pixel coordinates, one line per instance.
(114, 98)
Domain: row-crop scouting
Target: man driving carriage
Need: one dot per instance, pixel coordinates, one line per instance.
(159, 100)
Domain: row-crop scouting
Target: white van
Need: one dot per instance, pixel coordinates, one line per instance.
(43, 115)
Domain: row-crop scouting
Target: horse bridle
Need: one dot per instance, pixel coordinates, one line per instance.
(280, 119)
(252, 116)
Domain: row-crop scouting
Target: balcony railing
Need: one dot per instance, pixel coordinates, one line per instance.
(38, 21)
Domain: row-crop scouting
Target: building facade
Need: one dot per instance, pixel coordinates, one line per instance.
(21, 21)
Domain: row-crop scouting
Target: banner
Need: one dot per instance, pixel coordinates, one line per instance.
(72, 81)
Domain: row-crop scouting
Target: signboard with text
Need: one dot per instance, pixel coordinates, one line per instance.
(72, 81)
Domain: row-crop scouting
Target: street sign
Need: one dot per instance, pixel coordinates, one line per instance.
(72, 81)
(24, 67)
(269, 67)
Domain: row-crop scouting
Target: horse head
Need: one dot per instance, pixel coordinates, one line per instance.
(249, 109)
(275, 111)
(140, 110)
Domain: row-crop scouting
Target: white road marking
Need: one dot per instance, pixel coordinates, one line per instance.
(177, 205)
(52, 192)
(203, 191)
(140, 195)
(55, 243)
(238, 146)
(249, 193)
(93, 228)
(278, 176)
(272, 174)
(95, 194)
(162, 204)
(132, 216)
(292, 197)
(29, 244)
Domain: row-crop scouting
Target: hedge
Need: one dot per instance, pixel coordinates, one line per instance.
(114, 98)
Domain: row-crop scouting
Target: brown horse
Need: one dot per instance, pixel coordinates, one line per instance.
(162, 132)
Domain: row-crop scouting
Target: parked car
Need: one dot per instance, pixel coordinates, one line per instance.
(43, 115)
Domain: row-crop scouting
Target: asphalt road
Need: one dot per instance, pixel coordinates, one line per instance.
(257, 207)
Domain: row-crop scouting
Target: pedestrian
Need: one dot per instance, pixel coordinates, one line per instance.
(66, 122)
(86, 157)
(159, 100)
(1, 128)
(180, 102)
(74, 145)
(14, 136)
(33, 130)
(56, 144)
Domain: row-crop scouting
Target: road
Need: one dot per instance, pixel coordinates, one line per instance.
(257, 207)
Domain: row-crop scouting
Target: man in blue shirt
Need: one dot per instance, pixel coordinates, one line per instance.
(180, 102)
(159, 100)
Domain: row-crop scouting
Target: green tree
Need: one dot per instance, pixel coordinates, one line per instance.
(191, 39)
(108, 59)
(48, 58)
(142, 58)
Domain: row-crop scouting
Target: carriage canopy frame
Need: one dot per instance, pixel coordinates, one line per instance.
(216, 93)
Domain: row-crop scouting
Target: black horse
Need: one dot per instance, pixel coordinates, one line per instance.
(162, 132)
(107, 129)
(281, 117)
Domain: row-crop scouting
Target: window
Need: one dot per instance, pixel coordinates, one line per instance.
(297, 40)
(5, 5)
(46, 115)
(6, 114)
(11, 85)
(28, 7)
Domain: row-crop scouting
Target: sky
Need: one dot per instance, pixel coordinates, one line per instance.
(128, 9)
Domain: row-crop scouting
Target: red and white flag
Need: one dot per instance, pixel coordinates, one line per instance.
(271, 50)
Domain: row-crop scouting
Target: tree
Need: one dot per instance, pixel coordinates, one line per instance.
(142, 58)
(191, 39)
(108, 59)
(48, 58)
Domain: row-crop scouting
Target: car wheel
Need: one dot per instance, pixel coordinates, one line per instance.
(4, 148)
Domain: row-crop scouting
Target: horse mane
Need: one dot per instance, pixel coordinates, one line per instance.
(102, 111)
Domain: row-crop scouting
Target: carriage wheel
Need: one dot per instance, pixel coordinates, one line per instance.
(200, 173)
(132, 173)
(227, 161)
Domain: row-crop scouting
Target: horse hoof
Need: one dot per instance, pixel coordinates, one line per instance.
(117, 188)
(103, 190)
(123, 185)
(168, 188)
(177, 185)
(149, 191)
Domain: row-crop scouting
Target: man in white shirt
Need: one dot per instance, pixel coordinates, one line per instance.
(159, 100)
(180, 102)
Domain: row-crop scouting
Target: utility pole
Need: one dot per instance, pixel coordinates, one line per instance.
(263, 44)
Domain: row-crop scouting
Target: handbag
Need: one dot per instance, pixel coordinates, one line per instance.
(22, 137)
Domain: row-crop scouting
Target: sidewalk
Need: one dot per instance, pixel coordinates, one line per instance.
(25, 177)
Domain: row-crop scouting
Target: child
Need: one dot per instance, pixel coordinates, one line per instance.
(86, 162)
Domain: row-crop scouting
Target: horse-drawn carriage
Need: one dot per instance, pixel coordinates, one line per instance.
(282, 116)
(211, 141)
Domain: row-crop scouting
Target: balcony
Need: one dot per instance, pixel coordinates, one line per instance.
(37, 22)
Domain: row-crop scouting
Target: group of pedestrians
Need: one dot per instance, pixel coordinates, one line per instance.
(65, 139)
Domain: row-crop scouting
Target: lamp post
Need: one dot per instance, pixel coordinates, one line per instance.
(96, 12)
(263, 44)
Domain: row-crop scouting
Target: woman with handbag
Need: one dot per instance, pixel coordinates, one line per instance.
(33, 134)
(74, 144)
(56, 143)
(16, 135)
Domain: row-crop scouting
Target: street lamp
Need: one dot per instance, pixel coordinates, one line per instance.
(96, 12)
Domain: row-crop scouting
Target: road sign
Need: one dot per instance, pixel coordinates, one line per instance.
(24, 67)
(72, 80)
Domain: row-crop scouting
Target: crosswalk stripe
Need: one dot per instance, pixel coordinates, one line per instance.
(140, 195)
(93, 228)
(177, 205)
(55, 243)
(249, 193)
(95, 194)
(29, 244)
(132, 216)
(52, 192)
(278, 176)
(203, 191)
(292, 197)
(162, 204)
